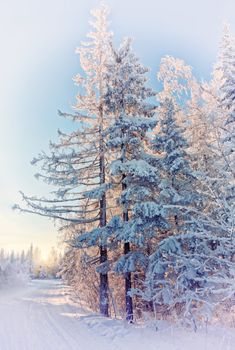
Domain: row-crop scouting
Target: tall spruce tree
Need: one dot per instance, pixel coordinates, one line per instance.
(127, 100)
(176, 190)
(77, 165)
(177, 201)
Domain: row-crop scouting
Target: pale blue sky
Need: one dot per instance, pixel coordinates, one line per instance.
(37, 63)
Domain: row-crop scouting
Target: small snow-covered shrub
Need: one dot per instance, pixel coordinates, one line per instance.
(191, 276)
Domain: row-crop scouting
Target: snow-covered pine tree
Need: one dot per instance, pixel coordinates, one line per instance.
(29, 256)
(191, 273)
(76, 165)
(227, 97)
(201, 129)
(218, 182)
(127, 100)
(176, 190)
(190, 276)
(177, 80)
(180, 278)
(196, 107)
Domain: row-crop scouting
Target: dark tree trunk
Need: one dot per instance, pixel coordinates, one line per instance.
(104, 300)
(128, 282)
(176, 221)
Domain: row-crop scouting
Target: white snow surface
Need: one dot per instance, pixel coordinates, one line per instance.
(43, 316)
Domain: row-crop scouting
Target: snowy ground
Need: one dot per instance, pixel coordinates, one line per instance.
(43, 317)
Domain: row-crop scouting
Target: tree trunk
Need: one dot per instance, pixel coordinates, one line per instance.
(129, 303)
(128, 284)
(104, 300)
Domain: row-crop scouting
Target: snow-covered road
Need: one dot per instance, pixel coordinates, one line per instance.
(40, 317)
(43, 317)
